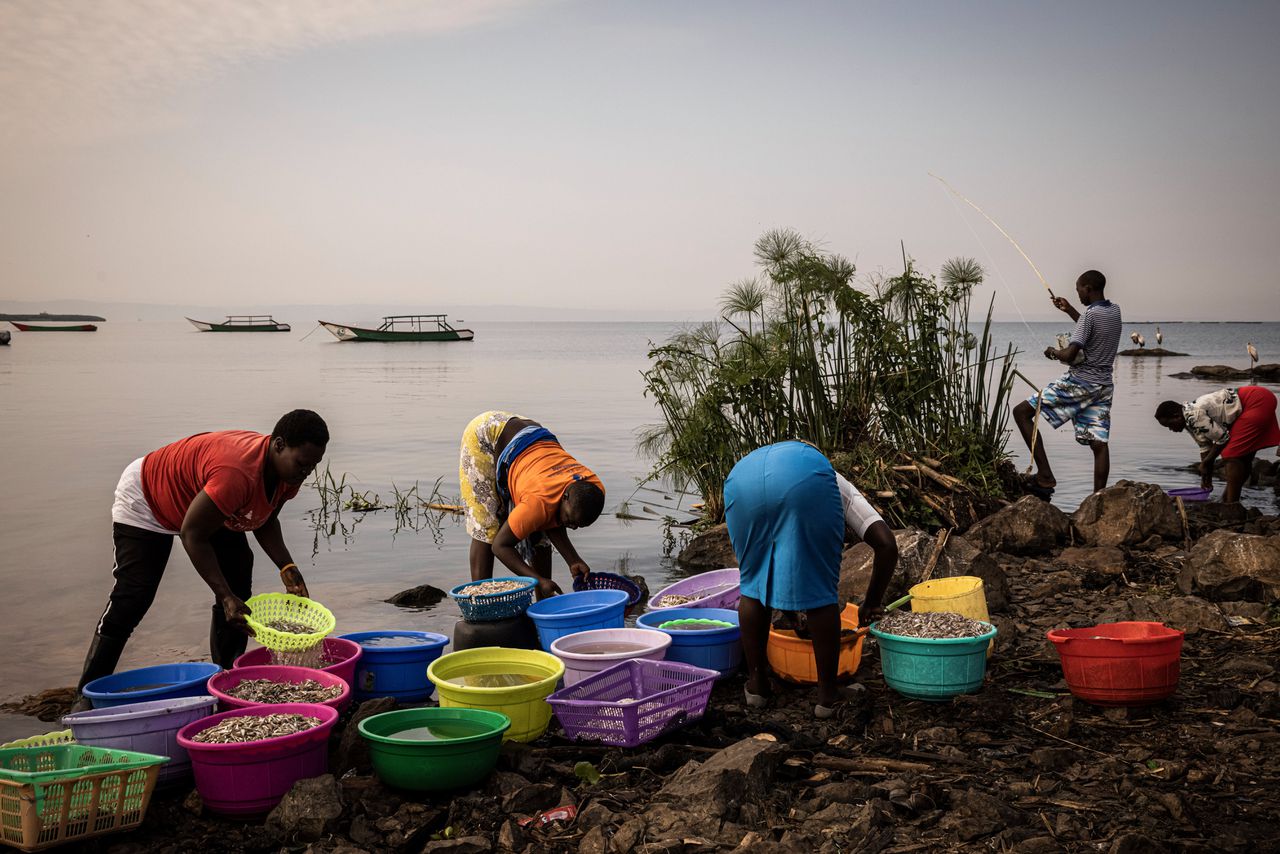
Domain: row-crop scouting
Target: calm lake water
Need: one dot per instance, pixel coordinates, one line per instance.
(80, 407)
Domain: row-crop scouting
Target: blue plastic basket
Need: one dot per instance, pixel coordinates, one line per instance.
(488, 607)
(609, 581)
(570, 613)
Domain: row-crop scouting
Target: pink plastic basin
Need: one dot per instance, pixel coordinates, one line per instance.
(220, 684)
(343, 654)
(249, 779)
(586, 653)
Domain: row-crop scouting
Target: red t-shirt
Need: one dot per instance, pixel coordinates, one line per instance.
(227, 465)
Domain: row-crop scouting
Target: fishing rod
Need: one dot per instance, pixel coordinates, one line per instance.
(1008, 237)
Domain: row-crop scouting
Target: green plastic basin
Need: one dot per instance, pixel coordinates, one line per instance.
(461, 751)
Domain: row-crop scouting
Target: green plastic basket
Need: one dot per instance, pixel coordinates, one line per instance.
(42, 763)
(269, 607)
(696, 624)
(62, 736)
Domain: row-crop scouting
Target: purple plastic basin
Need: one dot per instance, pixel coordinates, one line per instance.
(150, 727)
(719, 588)
(1191, 493)
(249, 779)
(342, 654)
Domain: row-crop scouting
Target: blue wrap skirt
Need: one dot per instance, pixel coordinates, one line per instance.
(782, 506)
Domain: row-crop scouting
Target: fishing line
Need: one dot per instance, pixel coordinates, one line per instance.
(309, 334)
(992, 261)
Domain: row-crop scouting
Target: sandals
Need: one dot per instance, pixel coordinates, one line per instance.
(847, 693)
(754, 701)
(1039, 490)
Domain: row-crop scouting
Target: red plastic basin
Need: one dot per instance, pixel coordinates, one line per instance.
(343, 654)
(221, 684)
(1120, 664)
(249, 779)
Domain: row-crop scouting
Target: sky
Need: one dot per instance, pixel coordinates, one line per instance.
(624, 156)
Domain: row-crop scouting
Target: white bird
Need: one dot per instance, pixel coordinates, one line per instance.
(1159, 337)
(1137, 339)
(1253, 354)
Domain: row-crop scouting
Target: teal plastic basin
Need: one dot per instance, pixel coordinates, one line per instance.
(933, 668)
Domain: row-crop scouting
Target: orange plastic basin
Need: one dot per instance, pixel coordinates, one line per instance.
(791, 657)
(1120, 664)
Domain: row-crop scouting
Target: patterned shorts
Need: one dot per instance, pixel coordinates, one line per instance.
(478, 477)
(1087, 407)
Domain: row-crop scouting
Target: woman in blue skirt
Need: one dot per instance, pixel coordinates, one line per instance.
(787, 509)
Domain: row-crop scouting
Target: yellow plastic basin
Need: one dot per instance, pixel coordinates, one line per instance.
(791, 657)
(525, 704)
(961, 595)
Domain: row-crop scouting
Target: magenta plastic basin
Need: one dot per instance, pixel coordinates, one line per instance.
(249, 779)
(343, 654)
(589, 652)
(150, 727)
(221, 683)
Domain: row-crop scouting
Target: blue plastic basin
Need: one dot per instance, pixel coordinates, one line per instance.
(396, 671)
(160, 682)
(570, 613)
(714, 649)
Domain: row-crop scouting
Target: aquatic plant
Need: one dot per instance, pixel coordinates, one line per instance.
(887, 377)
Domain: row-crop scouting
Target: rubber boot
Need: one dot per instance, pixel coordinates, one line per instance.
(226, 643)
(101, 660)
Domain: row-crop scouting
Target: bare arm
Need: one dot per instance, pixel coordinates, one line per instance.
(882, 542)
(559, 538)
(202, 521)
(1061, 304)
(504, 549)
(270, 537)
(1207, 459)
(1066, 355)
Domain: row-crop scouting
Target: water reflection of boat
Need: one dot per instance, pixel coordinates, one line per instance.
(241, 323)
(40, 327)
(402, 327)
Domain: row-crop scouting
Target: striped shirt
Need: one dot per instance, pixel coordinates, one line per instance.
(1098, 334)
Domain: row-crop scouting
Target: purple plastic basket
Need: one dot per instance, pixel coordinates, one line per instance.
(633, 702)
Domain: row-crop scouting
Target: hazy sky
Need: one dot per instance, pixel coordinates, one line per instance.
(626, 155)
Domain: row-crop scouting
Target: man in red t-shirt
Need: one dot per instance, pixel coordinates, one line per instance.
(207, 489)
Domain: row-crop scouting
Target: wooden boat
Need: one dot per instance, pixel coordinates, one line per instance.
(241, 323)
(40, 327)
(402, 327)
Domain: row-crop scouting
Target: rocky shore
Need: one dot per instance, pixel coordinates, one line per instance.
(1021, 766)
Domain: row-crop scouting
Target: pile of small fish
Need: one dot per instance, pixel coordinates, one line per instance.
(672, 600)
(269, 691)
(931, 624)
(484, 588)
(290, 628)
(254, 728)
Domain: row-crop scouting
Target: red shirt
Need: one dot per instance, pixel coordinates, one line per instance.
(227, 465)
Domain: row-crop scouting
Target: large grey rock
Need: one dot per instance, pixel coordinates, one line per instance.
(959, 557)
(1127, 514)
(740, 772)
(1027, 526)
(1191, 614)
(352, 751)
(422, 596)
(308, 811)
(709, 550)
(1107, 560)
(1224, 565)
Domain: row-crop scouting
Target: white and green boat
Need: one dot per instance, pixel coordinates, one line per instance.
(402, 327)
(241, 323)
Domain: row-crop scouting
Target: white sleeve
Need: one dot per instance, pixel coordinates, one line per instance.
(858, 512)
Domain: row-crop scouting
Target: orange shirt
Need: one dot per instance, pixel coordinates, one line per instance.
(537, 480)
(227, 465)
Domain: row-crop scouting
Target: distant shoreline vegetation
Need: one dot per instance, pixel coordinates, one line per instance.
(887, 379)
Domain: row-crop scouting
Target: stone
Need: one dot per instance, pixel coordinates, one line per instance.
(422, 596)
(1191, 614)
(709, 550)
(465, 845)
(308, 811)
(1126, 514)
(975, 814)
(352, 751)
(1226, 372)
(1105, 560)
(1028, 526)
(596, 814)
(841, 820)
(959, 557)
(1225, 565)
(740, 772)
(594, 841)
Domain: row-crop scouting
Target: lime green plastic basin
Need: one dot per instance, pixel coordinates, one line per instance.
(428, 750)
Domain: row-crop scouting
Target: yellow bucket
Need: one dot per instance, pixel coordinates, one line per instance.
(525, 704)
(961, 595)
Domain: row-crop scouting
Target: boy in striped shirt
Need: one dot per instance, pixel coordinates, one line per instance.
(1083, 394)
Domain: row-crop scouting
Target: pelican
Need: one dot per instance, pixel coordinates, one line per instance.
(1159, 337)
(1137, 339)
(1253, 354)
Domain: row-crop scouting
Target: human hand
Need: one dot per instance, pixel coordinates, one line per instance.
(1206, 474)
(867, 616)
(1050, 353)
(579, 570)
(235, 610)
(547, 587)
(294, 583)
(1061, 304)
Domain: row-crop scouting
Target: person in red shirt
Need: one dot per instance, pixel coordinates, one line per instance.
(208, 490)
(518, 484)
